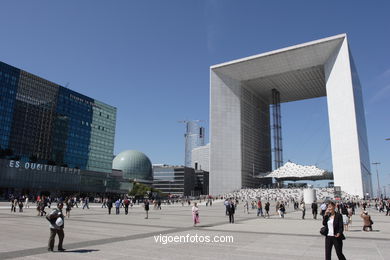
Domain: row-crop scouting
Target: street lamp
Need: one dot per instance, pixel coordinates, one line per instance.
(377, 176)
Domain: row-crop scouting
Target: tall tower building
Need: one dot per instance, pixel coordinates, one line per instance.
(194, 137)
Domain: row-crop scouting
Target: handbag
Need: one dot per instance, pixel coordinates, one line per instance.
(324, 231)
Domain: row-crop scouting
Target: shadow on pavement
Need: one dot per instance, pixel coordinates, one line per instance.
(81, 251)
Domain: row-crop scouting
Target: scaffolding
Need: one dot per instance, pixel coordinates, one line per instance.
(277, 129)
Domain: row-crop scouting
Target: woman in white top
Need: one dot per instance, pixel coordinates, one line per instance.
(195, 214)
(334, 221)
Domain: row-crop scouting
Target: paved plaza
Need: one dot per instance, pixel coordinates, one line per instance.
(93, 234)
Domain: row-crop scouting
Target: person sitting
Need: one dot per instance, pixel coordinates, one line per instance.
(367, 222)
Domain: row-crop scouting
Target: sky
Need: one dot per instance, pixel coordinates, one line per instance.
(151, 60)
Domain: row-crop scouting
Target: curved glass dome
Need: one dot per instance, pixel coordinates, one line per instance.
(134, 165)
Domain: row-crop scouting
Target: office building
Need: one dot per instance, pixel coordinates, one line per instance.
(194, 137)
(175, 180)
(29, 178)
(200, 158)
(43, 122)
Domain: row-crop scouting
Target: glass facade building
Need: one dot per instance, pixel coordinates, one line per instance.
(194, 137)
(18, 177)
(44, 122)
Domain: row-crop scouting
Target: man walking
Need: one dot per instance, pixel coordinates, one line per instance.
(226, 203)
(266, 207)
(323, 209)
(86, 203)
(146, 207)
(314, 209)
(231, 211)
(56, 219)
(104, 203)
(259, 208)
(117, 206)
(303, 208)
(126, 202)
(109, 205)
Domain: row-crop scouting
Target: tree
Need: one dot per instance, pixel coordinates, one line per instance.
(139, 190)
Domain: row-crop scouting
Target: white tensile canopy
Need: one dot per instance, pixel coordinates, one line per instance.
(293, 171)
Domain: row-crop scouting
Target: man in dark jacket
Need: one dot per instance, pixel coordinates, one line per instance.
(314, 209)
(231, 210)
(56, 219)
(109, 205)
(146, 207)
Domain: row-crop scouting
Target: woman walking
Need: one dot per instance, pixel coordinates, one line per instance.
(68, 207)
(195, 214)
(334, 222)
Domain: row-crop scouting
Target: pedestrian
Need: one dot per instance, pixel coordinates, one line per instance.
(195, 214)
(231, 211)
(367, 221)
(266, 207)
(226, 203)
(334, 223)
(20, 204)
(314, 210)
(126, 202)
(109, 205)
(259, 208)
(14, 203)
(68, 207)
(323, 209)
(246, 207)
(104, 204)
(159, 204)
(86, 203)
(281, 210)
(26, 202)
(42, 206)
(117, 206)
(56, 219)
(350, 213)
(75, 202)
(146, 207)
(303, 208)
